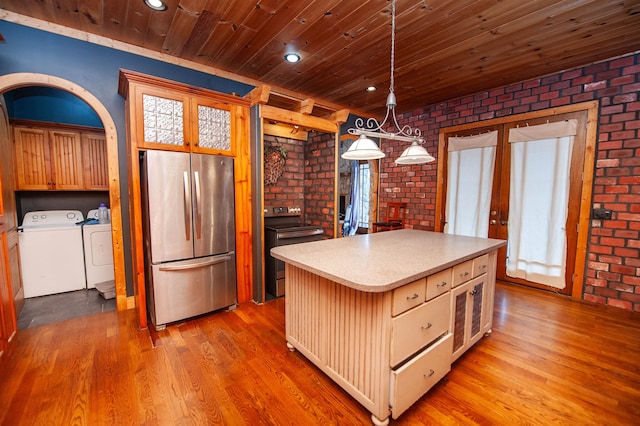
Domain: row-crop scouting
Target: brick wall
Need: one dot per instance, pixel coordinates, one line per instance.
(613, 265)
(319, 172)
(289, 189)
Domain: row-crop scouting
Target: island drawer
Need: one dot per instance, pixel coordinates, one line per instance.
(408, 296)
(414, 379)
(462, 272)
(418, 327)
(438, 283)
(480, 265)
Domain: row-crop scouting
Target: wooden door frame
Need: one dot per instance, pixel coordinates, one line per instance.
(14, 81)
(587, 172)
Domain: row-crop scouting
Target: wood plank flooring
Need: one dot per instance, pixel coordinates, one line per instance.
(549, 360)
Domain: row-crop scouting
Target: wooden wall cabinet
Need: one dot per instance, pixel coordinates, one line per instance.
(176, 120)
(59, 159)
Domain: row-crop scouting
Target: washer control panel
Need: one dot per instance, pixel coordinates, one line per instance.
(53, 218)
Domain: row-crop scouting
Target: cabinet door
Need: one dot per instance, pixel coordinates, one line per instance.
(467, 304)
(66, 159)
(212, 127)
(94, 161)
(162, 120)
(32, 156)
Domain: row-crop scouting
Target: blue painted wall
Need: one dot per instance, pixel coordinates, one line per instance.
(50, 105)
(96, 69)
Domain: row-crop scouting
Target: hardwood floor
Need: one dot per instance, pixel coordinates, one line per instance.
(549, 360)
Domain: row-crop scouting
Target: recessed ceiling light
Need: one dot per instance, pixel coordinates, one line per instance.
(156, 4)
(371, 89)
(292, 57)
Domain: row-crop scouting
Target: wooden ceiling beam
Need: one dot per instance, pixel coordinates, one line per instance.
(305, 106)
(259, 95)
(296, 118)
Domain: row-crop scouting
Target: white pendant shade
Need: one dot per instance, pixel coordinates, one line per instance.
(415, 154)
(363, 149)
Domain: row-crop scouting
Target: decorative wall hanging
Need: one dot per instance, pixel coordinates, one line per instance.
(275, 156)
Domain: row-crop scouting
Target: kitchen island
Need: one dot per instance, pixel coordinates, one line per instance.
(385, 314)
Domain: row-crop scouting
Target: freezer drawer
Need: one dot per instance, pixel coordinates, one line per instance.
(184, 289)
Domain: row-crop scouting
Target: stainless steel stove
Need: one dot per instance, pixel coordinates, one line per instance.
(283, 226)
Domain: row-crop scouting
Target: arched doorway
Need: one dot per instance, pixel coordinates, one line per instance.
(13, 81)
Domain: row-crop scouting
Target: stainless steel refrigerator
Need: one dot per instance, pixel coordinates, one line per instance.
(189, 230)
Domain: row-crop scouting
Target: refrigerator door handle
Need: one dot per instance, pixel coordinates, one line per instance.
(196, 208)
(187, 206)
(209, 262)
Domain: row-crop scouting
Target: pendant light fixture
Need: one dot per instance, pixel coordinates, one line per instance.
(366, 149)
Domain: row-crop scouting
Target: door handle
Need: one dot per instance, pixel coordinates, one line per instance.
(493, 221)
(197, 210)
(187, 206)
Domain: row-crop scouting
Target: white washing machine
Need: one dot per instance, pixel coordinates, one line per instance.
(98, 250)
(51, 253)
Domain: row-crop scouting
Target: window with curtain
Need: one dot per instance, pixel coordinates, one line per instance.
(538, 202)
(363, 200)
(471, 163)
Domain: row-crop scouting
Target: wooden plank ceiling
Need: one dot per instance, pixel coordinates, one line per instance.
(444, 48)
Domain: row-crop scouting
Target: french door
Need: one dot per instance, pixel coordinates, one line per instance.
(505, 191)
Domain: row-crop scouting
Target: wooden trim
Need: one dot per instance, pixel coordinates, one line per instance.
(587, 181)
(284, 131)
(259, 95)
(292, 117)
(127, 77)
(14, 81)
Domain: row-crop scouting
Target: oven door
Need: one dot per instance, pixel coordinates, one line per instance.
(274, 271)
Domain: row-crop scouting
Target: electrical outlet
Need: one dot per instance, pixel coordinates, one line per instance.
(601, 214)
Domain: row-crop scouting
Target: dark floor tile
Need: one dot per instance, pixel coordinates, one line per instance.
(59, 307)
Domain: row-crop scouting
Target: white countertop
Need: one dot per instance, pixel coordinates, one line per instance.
(385, 260)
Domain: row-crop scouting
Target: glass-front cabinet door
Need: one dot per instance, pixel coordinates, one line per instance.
(212, 127)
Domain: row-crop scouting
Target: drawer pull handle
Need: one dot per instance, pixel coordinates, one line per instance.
(431, 373)
(442, 284)
(428, 326)
(415, 296)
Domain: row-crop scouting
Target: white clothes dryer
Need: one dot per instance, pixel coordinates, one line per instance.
(51, 254)
(98, 250)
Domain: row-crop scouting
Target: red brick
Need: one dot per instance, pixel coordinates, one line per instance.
(630, 88)
(622, 269)
(595, 85)
(626, 252)
(619, 303)
(605, 292)
(595, 299)
(631, 280)
(622, 62)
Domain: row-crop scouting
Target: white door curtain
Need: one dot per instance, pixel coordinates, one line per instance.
(469, 184)
(538, 202)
